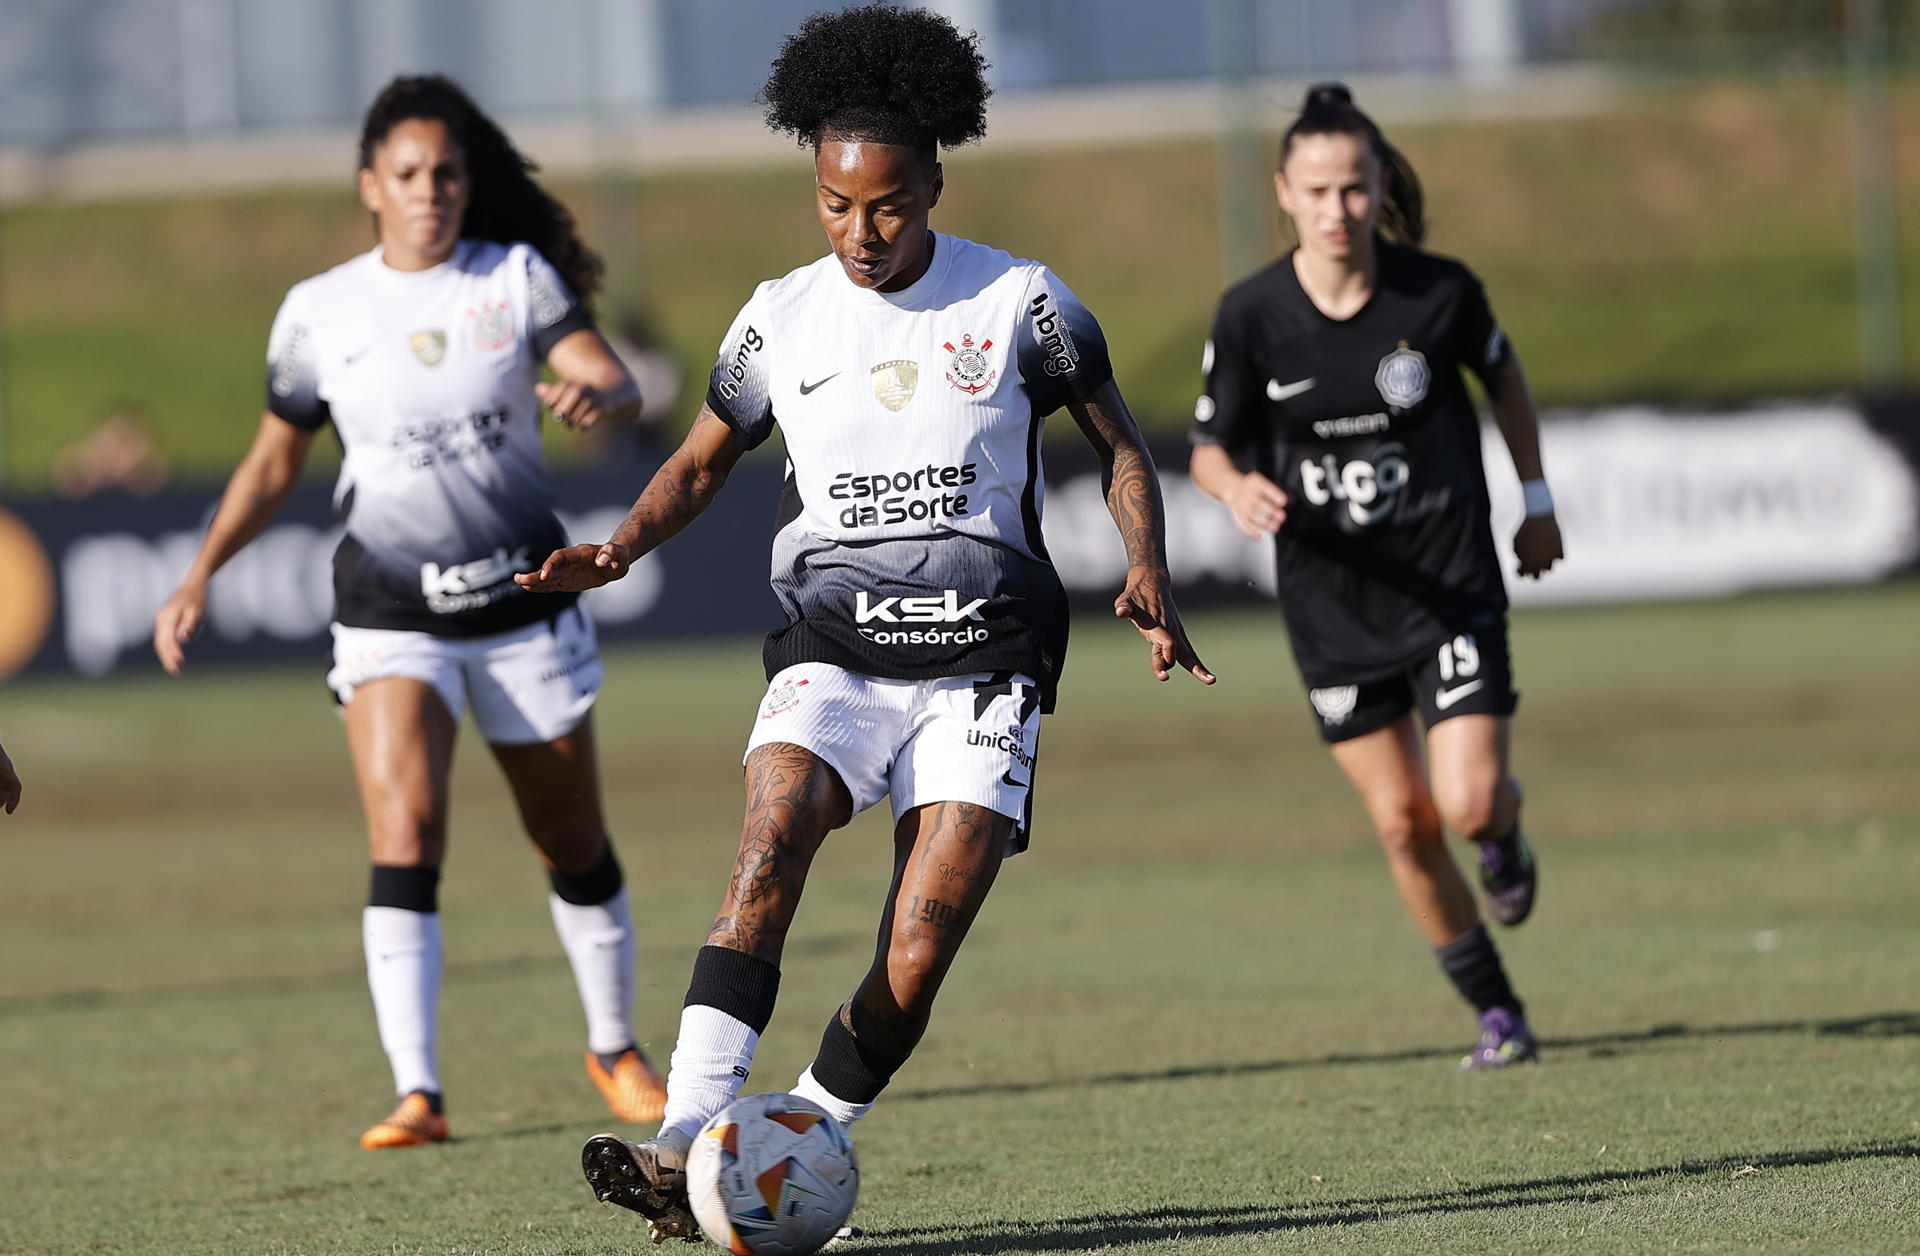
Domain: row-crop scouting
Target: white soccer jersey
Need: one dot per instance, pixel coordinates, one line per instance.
(908, 540)
(428, 378)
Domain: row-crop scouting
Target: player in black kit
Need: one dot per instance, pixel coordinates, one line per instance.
(1336, 421)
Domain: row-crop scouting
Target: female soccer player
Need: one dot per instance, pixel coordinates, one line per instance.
(925, 627)
(425, 355)
(1336, 421)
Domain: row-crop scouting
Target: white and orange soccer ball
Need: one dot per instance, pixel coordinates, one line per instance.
(772, 1175)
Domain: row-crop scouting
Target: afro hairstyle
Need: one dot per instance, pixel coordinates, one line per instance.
(880, 74)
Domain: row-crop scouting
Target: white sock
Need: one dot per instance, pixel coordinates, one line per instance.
(404, 961)
(599, 944)
(711, 1060)
(809, 1087)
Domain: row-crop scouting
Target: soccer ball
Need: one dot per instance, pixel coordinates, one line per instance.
(772, 1175)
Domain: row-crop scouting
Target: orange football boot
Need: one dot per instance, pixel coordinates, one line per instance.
(633, 1091)
(413, 1124)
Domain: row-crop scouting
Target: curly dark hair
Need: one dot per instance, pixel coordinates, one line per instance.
(881, 74)
(507, 206)
(1329, 110)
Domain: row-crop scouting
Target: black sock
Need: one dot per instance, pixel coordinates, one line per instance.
(590, 888)
(846, 1069)
(742, 986)
(1473, 966)
(408, 888)
(435, 1104)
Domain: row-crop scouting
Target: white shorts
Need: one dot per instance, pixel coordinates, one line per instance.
(534, 684)
(955, 739)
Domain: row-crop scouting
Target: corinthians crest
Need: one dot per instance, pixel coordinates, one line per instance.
(783, 697)
(970, 371)
(492, 330)
(894, 382)
(429, 346)
(1403, 377)
(1335, 704)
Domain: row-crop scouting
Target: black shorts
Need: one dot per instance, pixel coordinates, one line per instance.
(1470, 674)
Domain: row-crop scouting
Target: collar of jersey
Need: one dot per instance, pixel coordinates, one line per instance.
(916, 295)
(455, 261)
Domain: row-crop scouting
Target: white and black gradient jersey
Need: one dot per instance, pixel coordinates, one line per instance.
(428, 378)
(908, 541)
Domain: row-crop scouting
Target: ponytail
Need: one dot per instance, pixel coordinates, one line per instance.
(1329, 110)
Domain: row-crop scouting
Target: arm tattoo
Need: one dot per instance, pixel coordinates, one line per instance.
(1133, 490)
(676, 495)
(684, 486)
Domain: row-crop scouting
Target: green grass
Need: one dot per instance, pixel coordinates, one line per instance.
(1193, 1018)
(1697, 243)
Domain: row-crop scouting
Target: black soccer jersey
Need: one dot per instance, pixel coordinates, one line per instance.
(1365, 423)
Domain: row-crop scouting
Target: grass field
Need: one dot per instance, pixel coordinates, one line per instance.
(1695, 243)
(1193, 1019)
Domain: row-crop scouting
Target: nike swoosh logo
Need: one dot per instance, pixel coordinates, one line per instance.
(806, 388)
(1277, 391)
(356, 355)
(1444, 698)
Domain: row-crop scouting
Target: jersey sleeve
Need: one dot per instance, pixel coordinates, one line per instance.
(1228, 413)
(740, 389)
(1061, 350)
(293, 372)
(1478, 342)
(553, 313)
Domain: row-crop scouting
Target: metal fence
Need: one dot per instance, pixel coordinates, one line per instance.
(79, 71)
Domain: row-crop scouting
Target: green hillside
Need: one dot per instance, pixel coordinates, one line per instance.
(1695, 244)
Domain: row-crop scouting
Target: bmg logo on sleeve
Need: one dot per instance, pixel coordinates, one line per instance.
(734, 369)
(1054, 336)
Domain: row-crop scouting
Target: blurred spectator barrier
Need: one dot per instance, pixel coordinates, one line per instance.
(1654, 503)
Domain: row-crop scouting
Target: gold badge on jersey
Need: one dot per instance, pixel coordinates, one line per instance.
(429, 346)
(894, 382)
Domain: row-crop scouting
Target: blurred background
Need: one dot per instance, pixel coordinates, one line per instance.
(1697, 222)
(1680, 208)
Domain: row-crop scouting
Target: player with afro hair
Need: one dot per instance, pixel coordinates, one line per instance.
(879, 74)
(911, 373)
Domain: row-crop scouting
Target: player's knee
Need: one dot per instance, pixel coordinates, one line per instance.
(1471, 810)
(572, 844)
(404, 835)
(1406, 829)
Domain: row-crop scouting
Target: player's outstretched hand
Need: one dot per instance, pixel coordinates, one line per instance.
(1148, 602)
(176, 623)
(1537, 546)
(9, 783)
(576, 569)
(572, 403)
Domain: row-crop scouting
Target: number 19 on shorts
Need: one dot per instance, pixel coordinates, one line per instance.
(1459, 658)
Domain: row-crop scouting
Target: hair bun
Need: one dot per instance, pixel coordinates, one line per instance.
(1328, 93)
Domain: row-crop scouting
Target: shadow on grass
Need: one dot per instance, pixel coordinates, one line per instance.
(1878, 1025)
(1156, 1225)
(478, 972)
